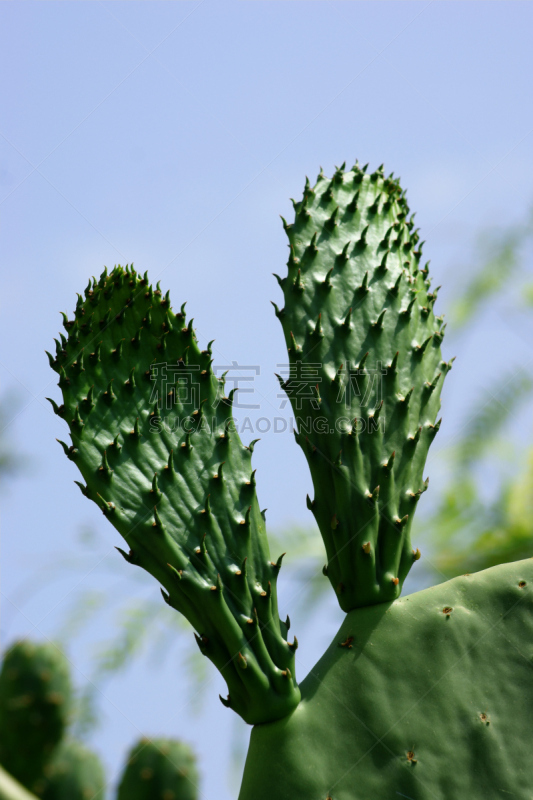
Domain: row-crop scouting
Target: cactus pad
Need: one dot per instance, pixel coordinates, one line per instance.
(365, 374)
(153, 436)
(159, 769)
(35, 698)
(430, 696)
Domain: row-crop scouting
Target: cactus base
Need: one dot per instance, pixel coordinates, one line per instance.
(427, 697)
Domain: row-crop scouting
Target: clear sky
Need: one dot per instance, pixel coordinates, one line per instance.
(173, 135)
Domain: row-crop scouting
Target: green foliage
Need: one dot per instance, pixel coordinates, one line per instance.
(35, 702)
(359, 323)
(499, 256)
(11, 461)
(469, 530)
(159, 769)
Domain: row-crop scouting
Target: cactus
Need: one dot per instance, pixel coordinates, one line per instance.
(428, 696)
(364, 350)
(153, 436)
(75, 773)
(159, 769)
(35, 694)
(398, 703)
(35, 698)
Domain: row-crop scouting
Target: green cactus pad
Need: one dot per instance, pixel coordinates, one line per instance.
(365, 374)
(159, 769)
(154, 438)
(35, 699)
(75, 773)
(430, 696)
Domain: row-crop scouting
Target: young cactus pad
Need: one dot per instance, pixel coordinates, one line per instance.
(35, 699)
(153, 436)
(365, 374)
(159, 769)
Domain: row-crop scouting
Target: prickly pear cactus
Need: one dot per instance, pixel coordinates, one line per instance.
(426, 697)
(365, 374)
(153, 436)
(159, 769)
(35, 699)
(75, 773)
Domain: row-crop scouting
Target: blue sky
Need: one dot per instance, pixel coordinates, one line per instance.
(173, 135)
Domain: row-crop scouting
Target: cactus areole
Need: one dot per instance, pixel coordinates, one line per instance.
(153, 436)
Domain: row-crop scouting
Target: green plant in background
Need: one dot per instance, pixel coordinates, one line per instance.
(399, 697)
(38, 754)
(35, 704)
(470, 532)
(159, 768)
